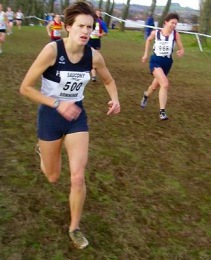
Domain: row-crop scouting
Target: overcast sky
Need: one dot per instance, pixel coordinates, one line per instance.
(190, 3)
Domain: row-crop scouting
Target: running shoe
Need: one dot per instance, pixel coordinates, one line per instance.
(37, 150)
(144, 101)
(78, 239)
(163, 115)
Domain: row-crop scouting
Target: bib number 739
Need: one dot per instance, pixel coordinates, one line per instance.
(72, 86)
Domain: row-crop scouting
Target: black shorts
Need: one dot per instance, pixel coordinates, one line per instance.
(94, 43)
(52, 126)
(2, 30)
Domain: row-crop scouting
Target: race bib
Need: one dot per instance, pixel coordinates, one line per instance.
(2, 26)
(57, 33)
(72, 84)
(96, 31)
(163, 48)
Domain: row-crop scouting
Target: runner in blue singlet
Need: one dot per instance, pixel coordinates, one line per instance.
(65, 67)
(161, 60)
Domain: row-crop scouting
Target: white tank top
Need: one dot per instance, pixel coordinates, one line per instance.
(96, 31)
(2, 21)
(19, 15)
(10, 15)
(164, 45)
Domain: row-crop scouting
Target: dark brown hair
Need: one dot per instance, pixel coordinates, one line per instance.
(172, 16)
(80, 7)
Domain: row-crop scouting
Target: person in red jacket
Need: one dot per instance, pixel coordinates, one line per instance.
(55, 28)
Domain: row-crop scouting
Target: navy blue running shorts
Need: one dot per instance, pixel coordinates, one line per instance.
(53, 126)
(94, 43)
(164, 63)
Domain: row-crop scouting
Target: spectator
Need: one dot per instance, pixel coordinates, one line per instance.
(149, 22)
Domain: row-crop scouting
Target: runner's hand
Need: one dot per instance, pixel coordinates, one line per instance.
(69, 110)
(180, 53)
(113, 107)
(144, 58)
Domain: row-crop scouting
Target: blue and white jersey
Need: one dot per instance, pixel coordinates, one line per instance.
(66, 80)
(164, 45)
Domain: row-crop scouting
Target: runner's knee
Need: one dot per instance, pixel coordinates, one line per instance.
(52, 176)
(165, 85)
(77, 181)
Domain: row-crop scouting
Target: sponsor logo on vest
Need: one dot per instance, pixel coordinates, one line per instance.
(62, 60)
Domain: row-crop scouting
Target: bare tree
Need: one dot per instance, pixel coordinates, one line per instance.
(125, 15)
(153, 6)
(205, 19)
(112, 7)
(64, 4)
(100, 4)
(51, 5)
(108, 9)
(108, 18)
(165, 12)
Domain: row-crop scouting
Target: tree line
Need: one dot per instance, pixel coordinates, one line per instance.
(40, 7)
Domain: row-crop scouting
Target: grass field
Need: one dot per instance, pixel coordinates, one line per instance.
(148, 182)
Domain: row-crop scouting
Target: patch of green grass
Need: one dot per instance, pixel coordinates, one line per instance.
(148, 182)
